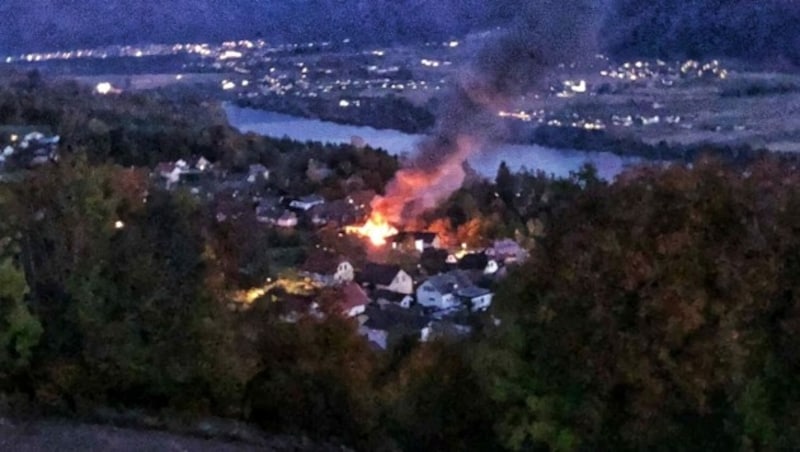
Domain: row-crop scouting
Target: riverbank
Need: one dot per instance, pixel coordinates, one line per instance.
(568, 139)
(555, 162)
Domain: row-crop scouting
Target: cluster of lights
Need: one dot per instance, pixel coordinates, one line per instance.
(643, 70)
(434, 63)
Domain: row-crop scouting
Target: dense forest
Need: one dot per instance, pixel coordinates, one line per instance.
(656, 312)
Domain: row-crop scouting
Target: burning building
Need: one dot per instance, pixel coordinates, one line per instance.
(546, 33)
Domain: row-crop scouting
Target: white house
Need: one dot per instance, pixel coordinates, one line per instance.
(328, 269)
(170, 172)
(202, 164)
(492, 267)
(387, 297)
(440, 291)
(476, 298)
(449, 290)
(257, 172)
(388, 277)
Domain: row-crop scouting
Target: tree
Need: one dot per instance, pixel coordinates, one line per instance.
(506, 185)
(656, 313)
(20, 330)
(317, 378)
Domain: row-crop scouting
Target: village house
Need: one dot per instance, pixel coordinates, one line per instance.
(382, 326)
(354, 300)
(451, 290)
(386, 297)
(387, 277)
(170, 172)
(328, 269)
(478, 262)
(476, 298)
(200, 164)
(27, 150)
(182, 171)
(439, 291)
(415, 241)
(257, 173)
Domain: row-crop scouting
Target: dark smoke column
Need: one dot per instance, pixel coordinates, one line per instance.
(545, 34)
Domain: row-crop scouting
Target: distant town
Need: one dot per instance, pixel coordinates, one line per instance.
(649, 102)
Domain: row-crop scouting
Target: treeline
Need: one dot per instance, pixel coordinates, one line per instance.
(764, 33)
(602, 141)
(388, 112)
(144, 129)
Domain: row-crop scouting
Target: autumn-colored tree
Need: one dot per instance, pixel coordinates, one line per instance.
(317, 378)
(658, 312)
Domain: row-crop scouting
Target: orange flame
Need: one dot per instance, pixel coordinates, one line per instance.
(376, 229)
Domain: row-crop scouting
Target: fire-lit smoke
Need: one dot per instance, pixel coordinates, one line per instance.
(545, 34)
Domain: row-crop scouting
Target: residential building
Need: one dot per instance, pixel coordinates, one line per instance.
(257, 173)
(452, 290)
(477, 298)
(385, 325)
(387, 297)
(354, 300)
(328, 269)
(387, 277)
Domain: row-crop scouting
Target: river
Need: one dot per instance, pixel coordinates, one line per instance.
(557, 162)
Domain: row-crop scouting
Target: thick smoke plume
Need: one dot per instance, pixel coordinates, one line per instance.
(545, 33)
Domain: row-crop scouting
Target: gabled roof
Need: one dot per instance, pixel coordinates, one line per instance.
(322, 262)
(165, 167)
(472, 292)
(379, 274)
(449, 282)
(352, 296)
